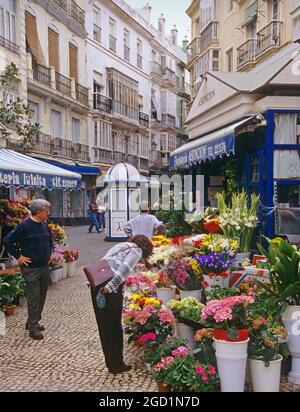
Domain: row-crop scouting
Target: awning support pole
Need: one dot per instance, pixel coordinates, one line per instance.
(270, 220)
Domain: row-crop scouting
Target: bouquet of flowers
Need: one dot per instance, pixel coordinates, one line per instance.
(140, 283)
(212, 225)
(186, 309)
(145, 316)
(152, 355)
(12, 212)
(205, 351)
(185, 274)
(215, 262)
(160, 240)
(56, 259)
(229, 314)
(162, 255)
(217, 243)
(162, 280)
(58, 234)
(70, 255)
(239, 221)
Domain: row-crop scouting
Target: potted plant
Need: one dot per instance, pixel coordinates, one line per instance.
(187, 312)
(164, 287)
(229, 318)
(238, 221)
(146, 315)
(139, 283)
(284, 260)
(265, 359)
(153, 354)
(205, 351)
(71, 256)
(186, 275)
(12, 288)
(55, 265)
(58, 234)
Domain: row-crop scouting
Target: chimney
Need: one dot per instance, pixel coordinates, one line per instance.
(161, 24)
(147, 12)
(185, 43)
(174, 35)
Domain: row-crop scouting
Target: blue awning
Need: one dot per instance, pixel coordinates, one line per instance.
(19, 170)
(205, 148)
(82, 170)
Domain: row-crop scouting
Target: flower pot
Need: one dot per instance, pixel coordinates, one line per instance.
(265, 378)
(56, 275)
(221, 334)
(240, 258)
(290, 318)
(187, 333)
(65, 270)
(231, 361)
(165, 294)
(2, 323)
(71, 269)
(197, 294)
(9, 310)
(163, 388)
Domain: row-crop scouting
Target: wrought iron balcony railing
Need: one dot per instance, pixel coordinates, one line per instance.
(9, 45)
(144, 119)
(269, 36)
(102, 103)
(246, 52)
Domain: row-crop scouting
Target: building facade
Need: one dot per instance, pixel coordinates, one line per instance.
(245, 116)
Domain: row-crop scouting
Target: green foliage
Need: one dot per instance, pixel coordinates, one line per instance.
(175, 223)
(12, 287)
(153, 354)
(284, 260)
(15, 116)
(229, 174)
(216, 292)
(186, 309)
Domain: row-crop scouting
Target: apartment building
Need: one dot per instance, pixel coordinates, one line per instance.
(132, 73)
(245, 59)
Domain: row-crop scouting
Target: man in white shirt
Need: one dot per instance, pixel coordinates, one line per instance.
(144, 224)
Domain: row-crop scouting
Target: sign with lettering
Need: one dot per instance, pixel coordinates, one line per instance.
(206, 98)
(25, 179)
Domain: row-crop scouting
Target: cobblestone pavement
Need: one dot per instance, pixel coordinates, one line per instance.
(70, 358)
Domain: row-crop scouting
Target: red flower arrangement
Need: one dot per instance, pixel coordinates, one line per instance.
(212, 225)
(71, 255)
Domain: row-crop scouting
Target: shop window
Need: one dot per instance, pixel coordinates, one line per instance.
(288, 196)
(288, 209)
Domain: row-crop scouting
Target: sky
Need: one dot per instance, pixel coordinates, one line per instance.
(174, 13)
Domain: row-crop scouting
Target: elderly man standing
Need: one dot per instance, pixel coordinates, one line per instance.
(31, 244)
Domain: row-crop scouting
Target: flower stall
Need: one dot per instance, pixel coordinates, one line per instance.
(241, 316)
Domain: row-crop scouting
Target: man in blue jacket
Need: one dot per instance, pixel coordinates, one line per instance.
(31, 244)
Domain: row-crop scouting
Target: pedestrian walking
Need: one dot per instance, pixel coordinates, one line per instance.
(93, 213)
(144, 224)
(101, 217)
(31, 244)
(122, 259)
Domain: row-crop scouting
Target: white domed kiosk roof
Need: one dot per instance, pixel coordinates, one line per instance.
(122, 172)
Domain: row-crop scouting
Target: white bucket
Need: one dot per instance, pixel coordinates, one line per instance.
(166, 294)
(187, 333)
(290, 318)
(197, 294)
(65, 270)
(56, 275)
(265, 378)
(231, 360)
(71, 268)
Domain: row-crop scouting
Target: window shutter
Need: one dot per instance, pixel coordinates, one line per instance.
(53, 49)
(73, 61)
(32, 38)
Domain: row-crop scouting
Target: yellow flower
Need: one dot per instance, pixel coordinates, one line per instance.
(152, 301)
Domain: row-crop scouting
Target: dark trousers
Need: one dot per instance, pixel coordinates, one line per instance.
(101, 220)
(36, 280)
(94, 222)
(109, 321)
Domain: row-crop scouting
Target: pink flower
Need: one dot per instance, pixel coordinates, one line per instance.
(146, 337)
(200, 370)
(211, 369)
(180, 352)
(166, 316)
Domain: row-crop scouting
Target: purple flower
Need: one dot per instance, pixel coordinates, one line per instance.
(216, 262)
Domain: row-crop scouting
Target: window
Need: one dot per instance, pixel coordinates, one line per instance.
(230, 4)
(275, 10)
(215, 60)
(139, 56)
(112, 35)
(208, 12)
(8, 20)
(97, 25)
(229, 56)
(96, 134)
(75, 130)
(34, 112)
(105, 134)
(56, 128)
(53, 47)
(73, 61)
(144, 146)
(126, 43)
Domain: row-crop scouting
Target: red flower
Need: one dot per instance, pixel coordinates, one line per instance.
(212, 275)
(212, 226)
(224, 275)
(197, 243)
(178, 240)
(205, 284)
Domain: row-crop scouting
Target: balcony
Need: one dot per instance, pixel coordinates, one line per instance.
(41, 73)
(72, 9)
(97, 33)
(102, 103)
(156, 69)
(246, 52)
(144, 119)
(9, 45)
(103, 156)
(63, 148)
(63, 84)
(194, 47)
(209, 34)
(269, 36)
(168, 120)
(169, 76)
(112, 43)
(43, 143)
(125, 110)
(183, 87)
(82, 94)
(81, 152)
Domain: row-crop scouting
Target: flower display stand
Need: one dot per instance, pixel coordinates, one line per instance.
(197, 294)
(265, 378)
(166, 294)
(56, 275)
(188, 333)
(290, 318)
(65, 270)
(71, 269)
(231, 361)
